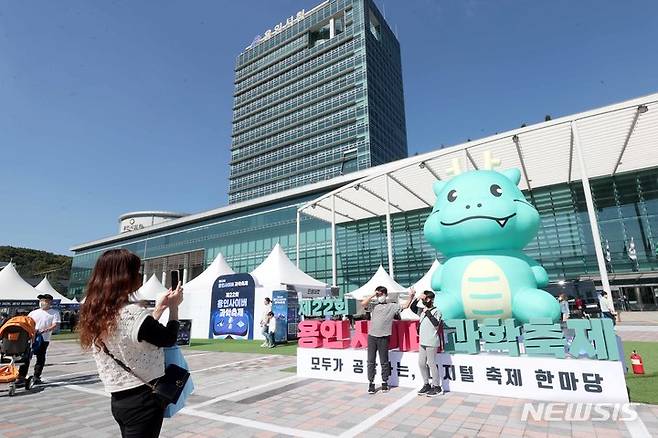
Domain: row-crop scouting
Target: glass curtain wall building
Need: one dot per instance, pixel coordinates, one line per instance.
(626, 206)
(320, 96)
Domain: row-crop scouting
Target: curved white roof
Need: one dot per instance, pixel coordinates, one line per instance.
(13, 287)
(147, 213)
(617, 138)
(46, 288)
(277, 270)
(381, 278)
(151, 290)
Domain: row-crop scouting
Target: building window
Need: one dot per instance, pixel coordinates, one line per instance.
(375, 27)
(320, 35)
(349, 163)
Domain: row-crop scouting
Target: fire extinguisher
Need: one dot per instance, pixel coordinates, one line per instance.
(636, 363)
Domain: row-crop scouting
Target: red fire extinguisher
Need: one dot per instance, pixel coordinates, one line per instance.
(636, 363)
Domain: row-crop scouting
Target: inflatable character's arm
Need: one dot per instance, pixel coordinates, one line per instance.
(436, 278)
(541, 276)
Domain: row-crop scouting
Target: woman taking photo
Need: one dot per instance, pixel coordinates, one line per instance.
(111, 325)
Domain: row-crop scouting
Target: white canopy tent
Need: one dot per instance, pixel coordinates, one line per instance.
(46, 288)
(13, 287)
(197, 294)
(380, 278)
(425, 283)
(277, 271)
(152, 290)
(612, 139)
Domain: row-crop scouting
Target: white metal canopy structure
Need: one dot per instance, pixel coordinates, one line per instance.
(617, 138)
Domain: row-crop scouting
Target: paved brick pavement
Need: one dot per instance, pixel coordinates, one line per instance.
(248, 395)
(638, 333)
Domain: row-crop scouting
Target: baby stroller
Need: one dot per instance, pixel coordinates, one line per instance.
(16, 338)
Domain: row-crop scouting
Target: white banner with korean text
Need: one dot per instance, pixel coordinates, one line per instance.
(533, 378)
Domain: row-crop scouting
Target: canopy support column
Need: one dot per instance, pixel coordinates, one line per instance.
(389, 239)
(333, 241)
(297, 238)
(591, 214)
(185, 267)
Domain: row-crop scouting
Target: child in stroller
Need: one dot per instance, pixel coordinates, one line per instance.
(16, 338)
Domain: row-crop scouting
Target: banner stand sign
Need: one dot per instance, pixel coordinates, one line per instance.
(280, 310)
(232, 307)
(184, 332)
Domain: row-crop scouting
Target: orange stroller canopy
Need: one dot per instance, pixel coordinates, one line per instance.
(24, 322)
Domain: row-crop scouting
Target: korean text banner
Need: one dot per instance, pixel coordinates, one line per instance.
(232, 307)
(534, 378)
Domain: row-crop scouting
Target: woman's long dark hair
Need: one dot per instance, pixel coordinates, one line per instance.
(115, 276)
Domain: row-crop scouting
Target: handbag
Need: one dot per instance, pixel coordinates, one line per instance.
(167, 388)
(174, 355)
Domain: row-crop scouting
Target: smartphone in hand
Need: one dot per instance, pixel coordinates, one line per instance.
(174, 280)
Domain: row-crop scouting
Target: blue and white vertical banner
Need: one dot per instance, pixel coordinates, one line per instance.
(232, 307)
(280, 310)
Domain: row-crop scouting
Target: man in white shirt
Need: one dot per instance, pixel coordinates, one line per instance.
(47, 319)
(605, 307)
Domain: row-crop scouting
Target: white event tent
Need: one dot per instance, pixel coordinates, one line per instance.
(13, 287)
(152, 290)
(381, 278)
(277, 272)
(425, 283)
(45, 287)
(197, 294)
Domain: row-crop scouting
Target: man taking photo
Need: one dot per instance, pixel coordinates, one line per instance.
(379, 333)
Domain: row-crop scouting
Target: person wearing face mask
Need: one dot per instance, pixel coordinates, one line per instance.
(47, 319)
(379, 333)
(429, 341)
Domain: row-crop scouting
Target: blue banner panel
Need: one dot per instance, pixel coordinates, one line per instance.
(280, 310)
(232, 307)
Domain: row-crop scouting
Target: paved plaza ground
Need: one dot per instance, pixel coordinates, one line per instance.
(252, 395)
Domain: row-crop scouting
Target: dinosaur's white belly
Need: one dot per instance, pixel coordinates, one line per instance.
(485, 291)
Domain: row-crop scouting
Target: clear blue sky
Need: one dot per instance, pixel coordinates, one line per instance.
(113, 106)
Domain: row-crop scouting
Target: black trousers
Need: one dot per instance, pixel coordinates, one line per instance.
(41, 362)
(138, 412)
(377, 344)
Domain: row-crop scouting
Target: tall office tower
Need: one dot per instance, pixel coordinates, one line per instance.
(317, 96)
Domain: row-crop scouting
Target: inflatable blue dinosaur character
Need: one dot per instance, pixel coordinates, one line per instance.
(481, 221)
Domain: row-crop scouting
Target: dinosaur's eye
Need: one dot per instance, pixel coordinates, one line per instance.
(496, 190)
(452, 195)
